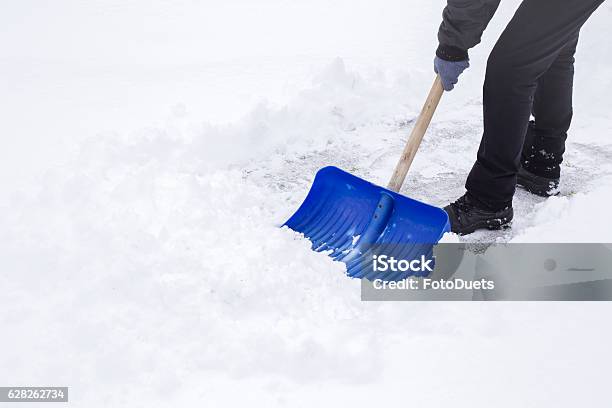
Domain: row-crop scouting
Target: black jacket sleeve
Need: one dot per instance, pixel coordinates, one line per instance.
(463, 22)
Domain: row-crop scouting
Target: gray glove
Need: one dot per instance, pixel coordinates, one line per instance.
(449, 71)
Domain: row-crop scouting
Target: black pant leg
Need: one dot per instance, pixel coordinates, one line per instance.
(552, 109)
(528, 47)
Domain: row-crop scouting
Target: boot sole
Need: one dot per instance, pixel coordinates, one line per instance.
(531, 187)
(491, 225)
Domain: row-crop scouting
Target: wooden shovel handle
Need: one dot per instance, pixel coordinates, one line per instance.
(420, 127)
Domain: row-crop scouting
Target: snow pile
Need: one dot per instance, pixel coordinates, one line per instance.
(167, 242)
(142, 240)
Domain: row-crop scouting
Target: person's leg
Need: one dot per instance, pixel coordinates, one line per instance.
(552, 109)
(535, 37)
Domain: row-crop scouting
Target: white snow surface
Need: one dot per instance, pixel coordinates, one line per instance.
(152, 149)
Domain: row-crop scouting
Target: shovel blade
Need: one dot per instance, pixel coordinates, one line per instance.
(354, 220)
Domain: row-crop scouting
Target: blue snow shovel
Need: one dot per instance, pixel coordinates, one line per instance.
(356, 222)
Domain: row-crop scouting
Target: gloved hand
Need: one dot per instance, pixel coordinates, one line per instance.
(449, 71)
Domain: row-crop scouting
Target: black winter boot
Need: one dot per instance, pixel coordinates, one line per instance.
(466, 215)
(539, 185)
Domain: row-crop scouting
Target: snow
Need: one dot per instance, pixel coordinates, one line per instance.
(150, 159)
(579, 218)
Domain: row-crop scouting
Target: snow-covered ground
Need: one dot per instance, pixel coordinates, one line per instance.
(151, 149)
